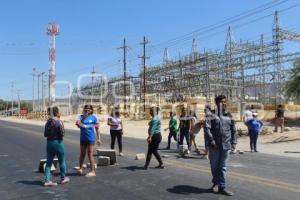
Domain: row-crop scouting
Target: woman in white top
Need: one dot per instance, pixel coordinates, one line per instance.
(116, 129)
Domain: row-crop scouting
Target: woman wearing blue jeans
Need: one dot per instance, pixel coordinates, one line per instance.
(54, 132)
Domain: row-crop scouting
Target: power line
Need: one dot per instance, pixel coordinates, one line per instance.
(225, 22)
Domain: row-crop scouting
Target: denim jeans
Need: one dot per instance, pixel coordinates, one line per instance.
(184, 133)
(218, 161)
(253, 141)
(55, 148)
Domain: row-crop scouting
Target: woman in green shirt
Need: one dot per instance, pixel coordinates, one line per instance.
(154, 138)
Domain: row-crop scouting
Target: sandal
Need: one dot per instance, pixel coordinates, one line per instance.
(90, 174)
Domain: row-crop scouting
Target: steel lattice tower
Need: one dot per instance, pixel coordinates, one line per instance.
(52, 32)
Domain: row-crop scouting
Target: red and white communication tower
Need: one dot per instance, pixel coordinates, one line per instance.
(52, 32)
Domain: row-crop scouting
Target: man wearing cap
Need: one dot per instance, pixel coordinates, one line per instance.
(254, 126)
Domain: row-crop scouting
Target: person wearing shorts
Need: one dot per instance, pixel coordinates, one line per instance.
(89, 134)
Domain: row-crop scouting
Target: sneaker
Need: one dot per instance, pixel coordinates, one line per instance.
(256, 151)
(90, 174)
(49, 184)
(145, 167)
(225, 192)
(196, 150)
(65, 180)
(213, 188)
(160, 166)
(121, 154)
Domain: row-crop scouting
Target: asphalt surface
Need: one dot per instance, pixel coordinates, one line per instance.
(250, 176)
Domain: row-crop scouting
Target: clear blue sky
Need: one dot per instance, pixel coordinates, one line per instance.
(91, 31)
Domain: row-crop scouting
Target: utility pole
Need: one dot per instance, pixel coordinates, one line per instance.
(19, 104)
(69, 103)
(43, 91)
(33, 75)
(263, 67)
(124, 47)
(145, 41)
(38, 88)
(255, 89)
(208, 80)
(6, 107)
(93, 72)
(12, 97)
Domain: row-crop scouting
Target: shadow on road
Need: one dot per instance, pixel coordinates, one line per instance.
(133, 168)
(168, 150)
(39, 183)
(186, 189)
(73, 174)
(190, 157)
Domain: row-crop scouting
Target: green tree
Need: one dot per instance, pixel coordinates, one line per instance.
(293, 84)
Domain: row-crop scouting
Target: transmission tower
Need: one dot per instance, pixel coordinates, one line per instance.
(52, 32)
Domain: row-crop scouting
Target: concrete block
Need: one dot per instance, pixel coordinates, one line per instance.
(240, 152)
(165, 156)
(53, 169)
(183, 150)
(233, 152)
(103, 161)
(111, 153)
(287, 128)
(43, 162)
(140, 156)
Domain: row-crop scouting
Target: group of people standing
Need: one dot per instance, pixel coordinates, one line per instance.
(219, 134)
(89, 126)
(189, 127)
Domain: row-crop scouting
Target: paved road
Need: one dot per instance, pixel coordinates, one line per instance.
(251, 176)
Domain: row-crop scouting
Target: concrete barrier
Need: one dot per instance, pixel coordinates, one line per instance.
(43, 162)
(183, 150)
(111, 153)
(52, 169)
(140, 156)
(103, 161)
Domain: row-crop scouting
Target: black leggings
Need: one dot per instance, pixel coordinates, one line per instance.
(171, 134)
(116, 134)
(152, 149)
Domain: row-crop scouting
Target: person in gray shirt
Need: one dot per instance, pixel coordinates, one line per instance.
(220, 137)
